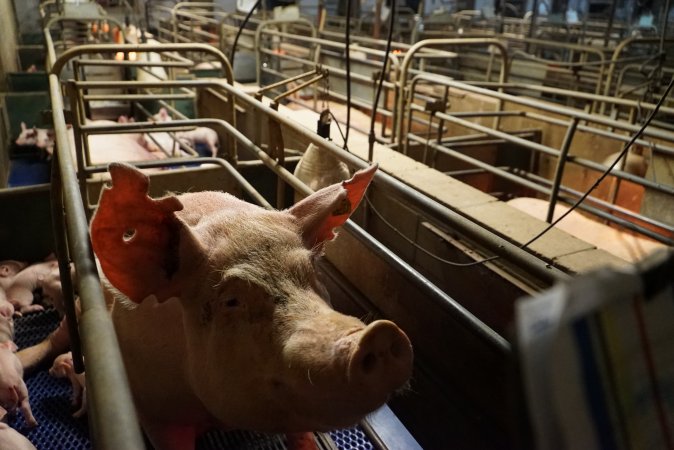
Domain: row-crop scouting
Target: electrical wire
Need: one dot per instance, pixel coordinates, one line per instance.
(382, 75)
(340, 130)
(418, 247)
(554, 223)
(238, 33)
(347, 41)
(608, 170)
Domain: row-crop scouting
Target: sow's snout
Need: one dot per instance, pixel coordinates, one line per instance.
(352, 367)
(382, 358)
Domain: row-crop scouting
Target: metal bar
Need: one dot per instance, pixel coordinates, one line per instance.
(95, 97)
(63, 253)
(139, 48)
(552, 152)
(401, 91)
(114, 421)
(127, 63)
(299, 87)
(600, 203)
(285, 81)
(498, 245)
(538, 188)
(559, 171)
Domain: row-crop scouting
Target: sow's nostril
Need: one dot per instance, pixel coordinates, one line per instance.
(383, 355)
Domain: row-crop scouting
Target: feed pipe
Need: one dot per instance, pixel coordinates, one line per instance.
(401, 91)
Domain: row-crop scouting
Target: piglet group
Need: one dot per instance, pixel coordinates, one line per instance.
(199, 135)
(13, 390)
(19, 281)
(63, 367)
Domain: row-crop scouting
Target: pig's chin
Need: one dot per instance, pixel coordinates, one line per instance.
(366, 366)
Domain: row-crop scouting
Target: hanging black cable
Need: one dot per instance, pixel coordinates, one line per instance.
(238, 33)
(347, 39)
(552, 225)
(622, 154)
(382, 75)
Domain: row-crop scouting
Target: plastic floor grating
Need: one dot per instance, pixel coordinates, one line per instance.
(58, 430)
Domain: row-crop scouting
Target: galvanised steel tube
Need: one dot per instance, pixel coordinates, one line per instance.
(551, 108)
(523, 181)
(268, 23)
(498, 245)
(143, 48)
(574, 94)
(411, 53)
(555, 153)
(114, 421)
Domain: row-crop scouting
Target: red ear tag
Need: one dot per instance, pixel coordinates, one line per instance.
(324, 210)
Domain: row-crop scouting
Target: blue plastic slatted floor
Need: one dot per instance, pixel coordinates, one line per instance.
(58, 430)
(28, 171)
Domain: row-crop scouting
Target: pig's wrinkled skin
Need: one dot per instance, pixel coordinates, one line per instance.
(20, 287)
(11, 439)
(635, 163)
(63, 368)
(6, 318)
(200, 135)
(103, 148)
(13, 391)
(234, 330)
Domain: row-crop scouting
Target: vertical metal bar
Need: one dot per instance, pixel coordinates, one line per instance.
(113, 420)
(532, 23)
(609, 25)
(71, 90)
(559, 171)
(59, 229)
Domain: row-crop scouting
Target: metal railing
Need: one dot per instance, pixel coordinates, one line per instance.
(573, 121)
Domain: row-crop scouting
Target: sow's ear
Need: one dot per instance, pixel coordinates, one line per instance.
(324, 210)
(137, 238)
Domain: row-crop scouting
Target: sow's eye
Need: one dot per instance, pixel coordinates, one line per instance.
(232, 303)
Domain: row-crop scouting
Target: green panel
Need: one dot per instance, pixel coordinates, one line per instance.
(26, 107)
(32, 38)
(33, 55)
(25, 224)
(28, 82)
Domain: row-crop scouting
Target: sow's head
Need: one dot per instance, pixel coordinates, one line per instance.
(265, 350)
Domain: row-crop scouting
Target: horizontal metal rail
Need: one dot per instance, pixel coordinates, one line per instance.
(113, 419)
(536, 186)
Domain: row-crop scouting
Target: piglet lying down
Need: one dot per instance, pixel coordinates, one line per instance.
(225, 316)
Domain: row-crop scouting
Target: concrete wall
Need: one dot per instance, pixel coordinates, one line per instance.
(8, 59)
(8, 63)
(27, 16)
